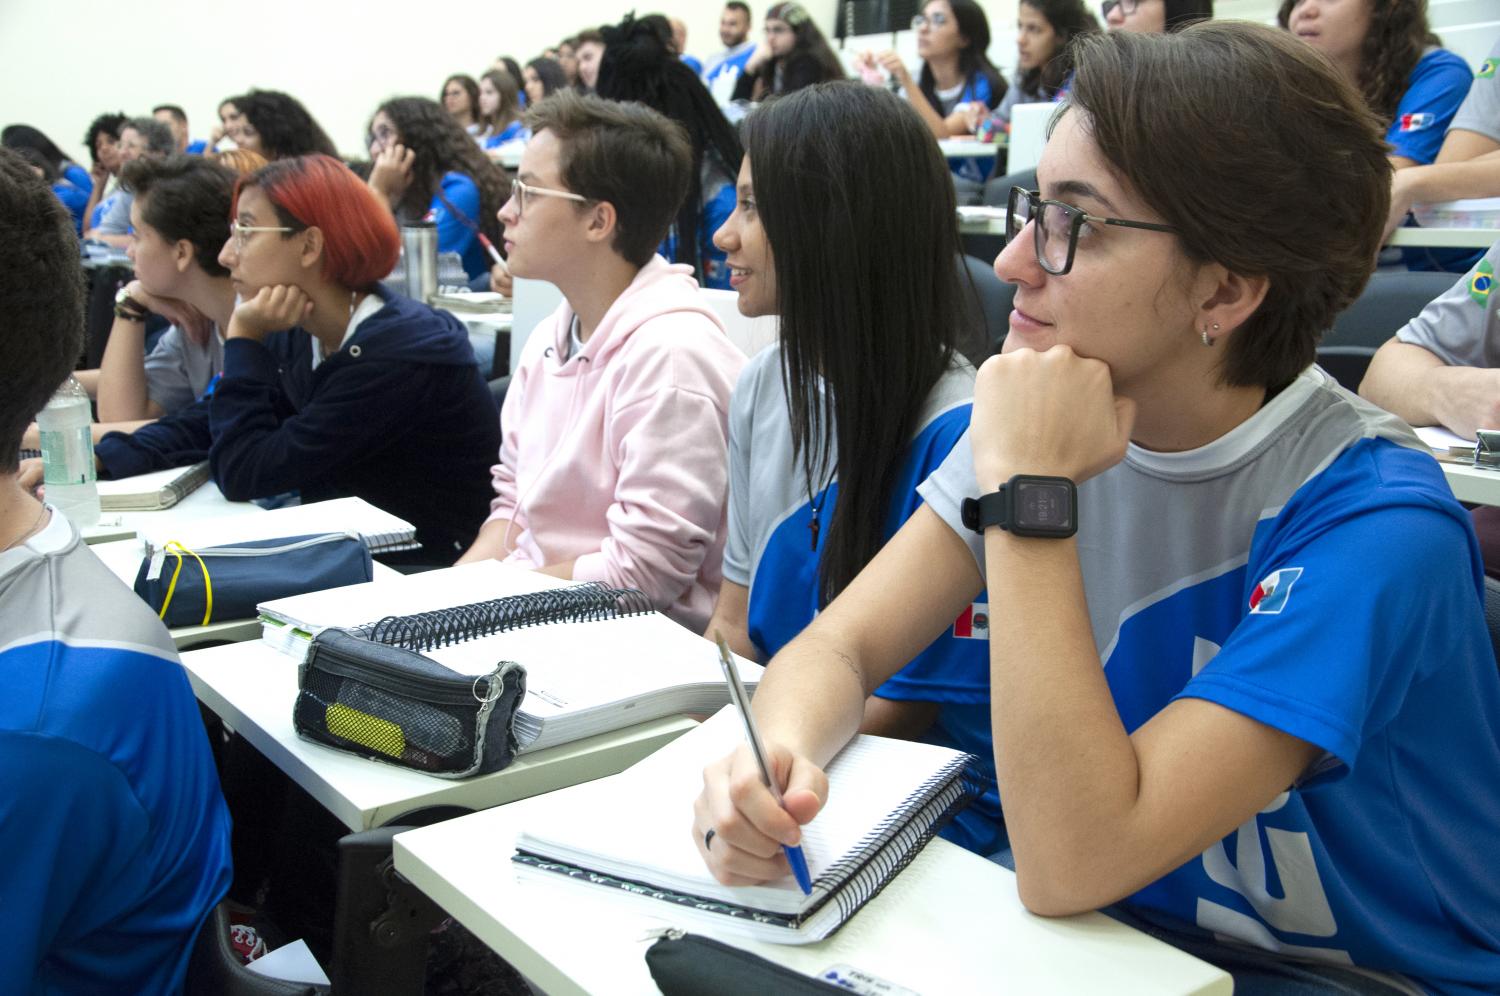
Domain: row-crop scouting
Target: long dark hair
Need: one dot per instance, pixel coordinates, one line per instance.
(509, 108)
(1181, 13)
(1394, 42)
(441, 146)
(973, 59)
(21, 136)
(811, 47)
(1069, 19)
(550, 72)
(640, 65)
(286, 128)
(471, 89)
(868, 292)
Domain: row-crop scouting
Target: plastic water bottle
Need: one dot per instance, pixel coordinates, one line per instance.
(68, 454)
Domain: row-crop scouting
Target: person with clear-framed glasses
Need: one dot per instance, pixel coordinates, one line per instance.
(613, 461)
(1241, 690)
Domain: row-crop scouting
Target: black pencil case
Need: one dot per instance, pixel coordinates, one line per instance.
(684, 964)
(395, 705)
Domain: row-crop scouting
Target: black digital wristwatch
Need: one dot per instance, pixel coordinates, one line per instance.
(1027, 505)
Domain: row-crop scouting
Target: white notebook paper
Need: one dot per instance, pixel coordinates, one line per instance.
(886, 798)
(384, 532)
(154, 491)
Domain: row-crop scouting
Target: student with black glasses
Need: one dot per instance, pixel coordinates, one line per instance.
(1240, 686)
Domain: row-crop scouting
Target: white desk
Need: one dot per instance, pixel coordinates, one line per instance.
(207, 502)
(968, 148)
(950, 923)
(1475, 485)
(253, 688)
(1445, 238)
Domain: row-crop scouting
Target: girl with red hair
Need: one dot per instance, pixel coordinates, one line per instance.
(333, 385)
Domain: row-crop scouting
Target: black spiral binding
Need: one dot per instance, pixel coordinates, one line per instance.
(442, 627)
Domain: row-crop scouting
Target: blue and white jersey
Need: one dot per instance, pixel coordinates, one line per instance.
(1310, 570)
(769, 551)
(722, 72)
(115, 835)
(719, 198)
(455, 211)
(1434, 92)
(976, 88)
(516, 131)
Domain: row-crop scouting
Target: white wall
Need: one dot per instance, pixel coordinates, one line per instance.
(61, 64)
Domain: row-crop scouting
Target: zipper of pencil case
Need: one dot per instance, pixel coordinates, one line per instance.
(459, 690)
(158, 559)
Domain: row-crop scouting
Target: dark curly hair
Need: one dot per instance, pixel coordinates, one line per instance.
(1394, 42)
(104, 124)
(1069, 19)
(286, 128)
(441, 146)
(640, 65)
(41, 293)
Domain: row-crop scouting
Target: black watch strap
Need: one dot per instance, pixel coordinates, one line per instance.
(1026, 505)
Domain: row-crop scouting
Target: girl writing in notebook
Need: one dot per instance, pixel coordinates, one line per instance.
(1288, 752)
(832, 429)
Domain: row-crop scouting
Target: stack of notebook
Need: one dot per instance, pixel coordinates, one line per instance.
(596, 659)
(381, 531)
(886, 800)
(152, 492)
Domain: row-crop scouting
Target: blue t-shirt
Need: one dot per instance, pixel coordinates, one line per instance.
(101, 209)
(75, 199)
(115, 835)
(515, 131)
(455, 211)
(196, 147)
(1312, 571)
(769, 551)
(1437, 87)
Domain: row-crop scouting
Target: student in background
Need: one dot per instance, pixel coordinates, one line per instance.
(103, 142)
(460, 98)
(639, 66)
(722, 71)
(589, 46)
(115, 833)
(426, 166)
(276, 125)
(332, 385)
(1044, 30)
(1468, 164)
(567, 58)
(831, 430)
(230, 118)
(179, 221)
(1154, 17)
(139, 137)
(1285, 598)
(679, 44)
(794, 55)
(1385, 49)
(613, 457)
(70, 181)
(175, 118)
(543, 77)
(499, 110)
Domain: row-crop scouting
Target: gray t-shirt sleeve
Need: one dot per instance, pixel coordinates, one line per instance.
(1480, 111)
(1460, 325)
(167, 380)
(739, 549)
(117, 220)
(947, 487)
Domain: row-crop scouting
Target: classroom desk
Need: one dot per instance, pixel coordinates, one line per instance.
(253, 687)
(1475, 485)
(969, 148)
(950, 923)
(123, 558)
(207, 502)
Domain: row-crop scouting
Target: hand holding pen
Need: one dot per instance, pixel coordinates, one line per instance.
(743, 825)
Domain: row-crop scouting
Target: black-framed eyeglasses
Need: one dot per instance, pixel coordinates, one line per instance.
(1127, 7)
(1057, 227)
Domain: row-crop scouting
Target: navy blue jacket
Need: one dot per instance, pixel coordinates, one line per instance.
(399, 417)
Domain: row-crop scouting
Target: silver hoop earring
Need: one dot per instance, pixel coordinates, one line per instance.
(1206, 340)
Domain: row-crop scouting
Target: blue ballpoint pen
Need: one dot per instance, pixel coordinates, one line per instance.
(741, 700)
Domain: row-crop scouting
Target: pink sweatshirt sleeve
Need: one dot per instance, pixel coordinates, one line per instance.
(669, 501)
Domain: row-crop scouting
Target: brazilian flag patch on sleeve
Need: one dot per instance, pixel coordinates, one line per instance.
(1481, 282)
(1487, 69)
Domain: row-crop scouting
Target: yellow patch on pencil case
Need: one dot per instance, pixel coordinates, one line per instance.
(368, 731)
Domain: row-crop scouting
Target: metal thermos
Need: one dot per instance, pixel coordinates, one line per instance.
(419, 246)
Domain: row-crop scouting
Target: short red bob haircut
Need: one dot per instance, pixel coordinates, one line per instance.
(360, 239)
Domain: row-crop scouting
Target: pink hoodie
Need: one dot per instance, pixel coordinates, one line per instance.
(617, 458)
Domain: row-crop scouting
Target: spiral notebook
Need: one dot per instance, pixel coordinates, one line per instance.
(152, 492)
(887, 798)
(597, 658)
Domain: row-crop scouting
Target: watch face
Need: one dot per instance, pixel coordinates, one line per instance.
(1043, 505)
